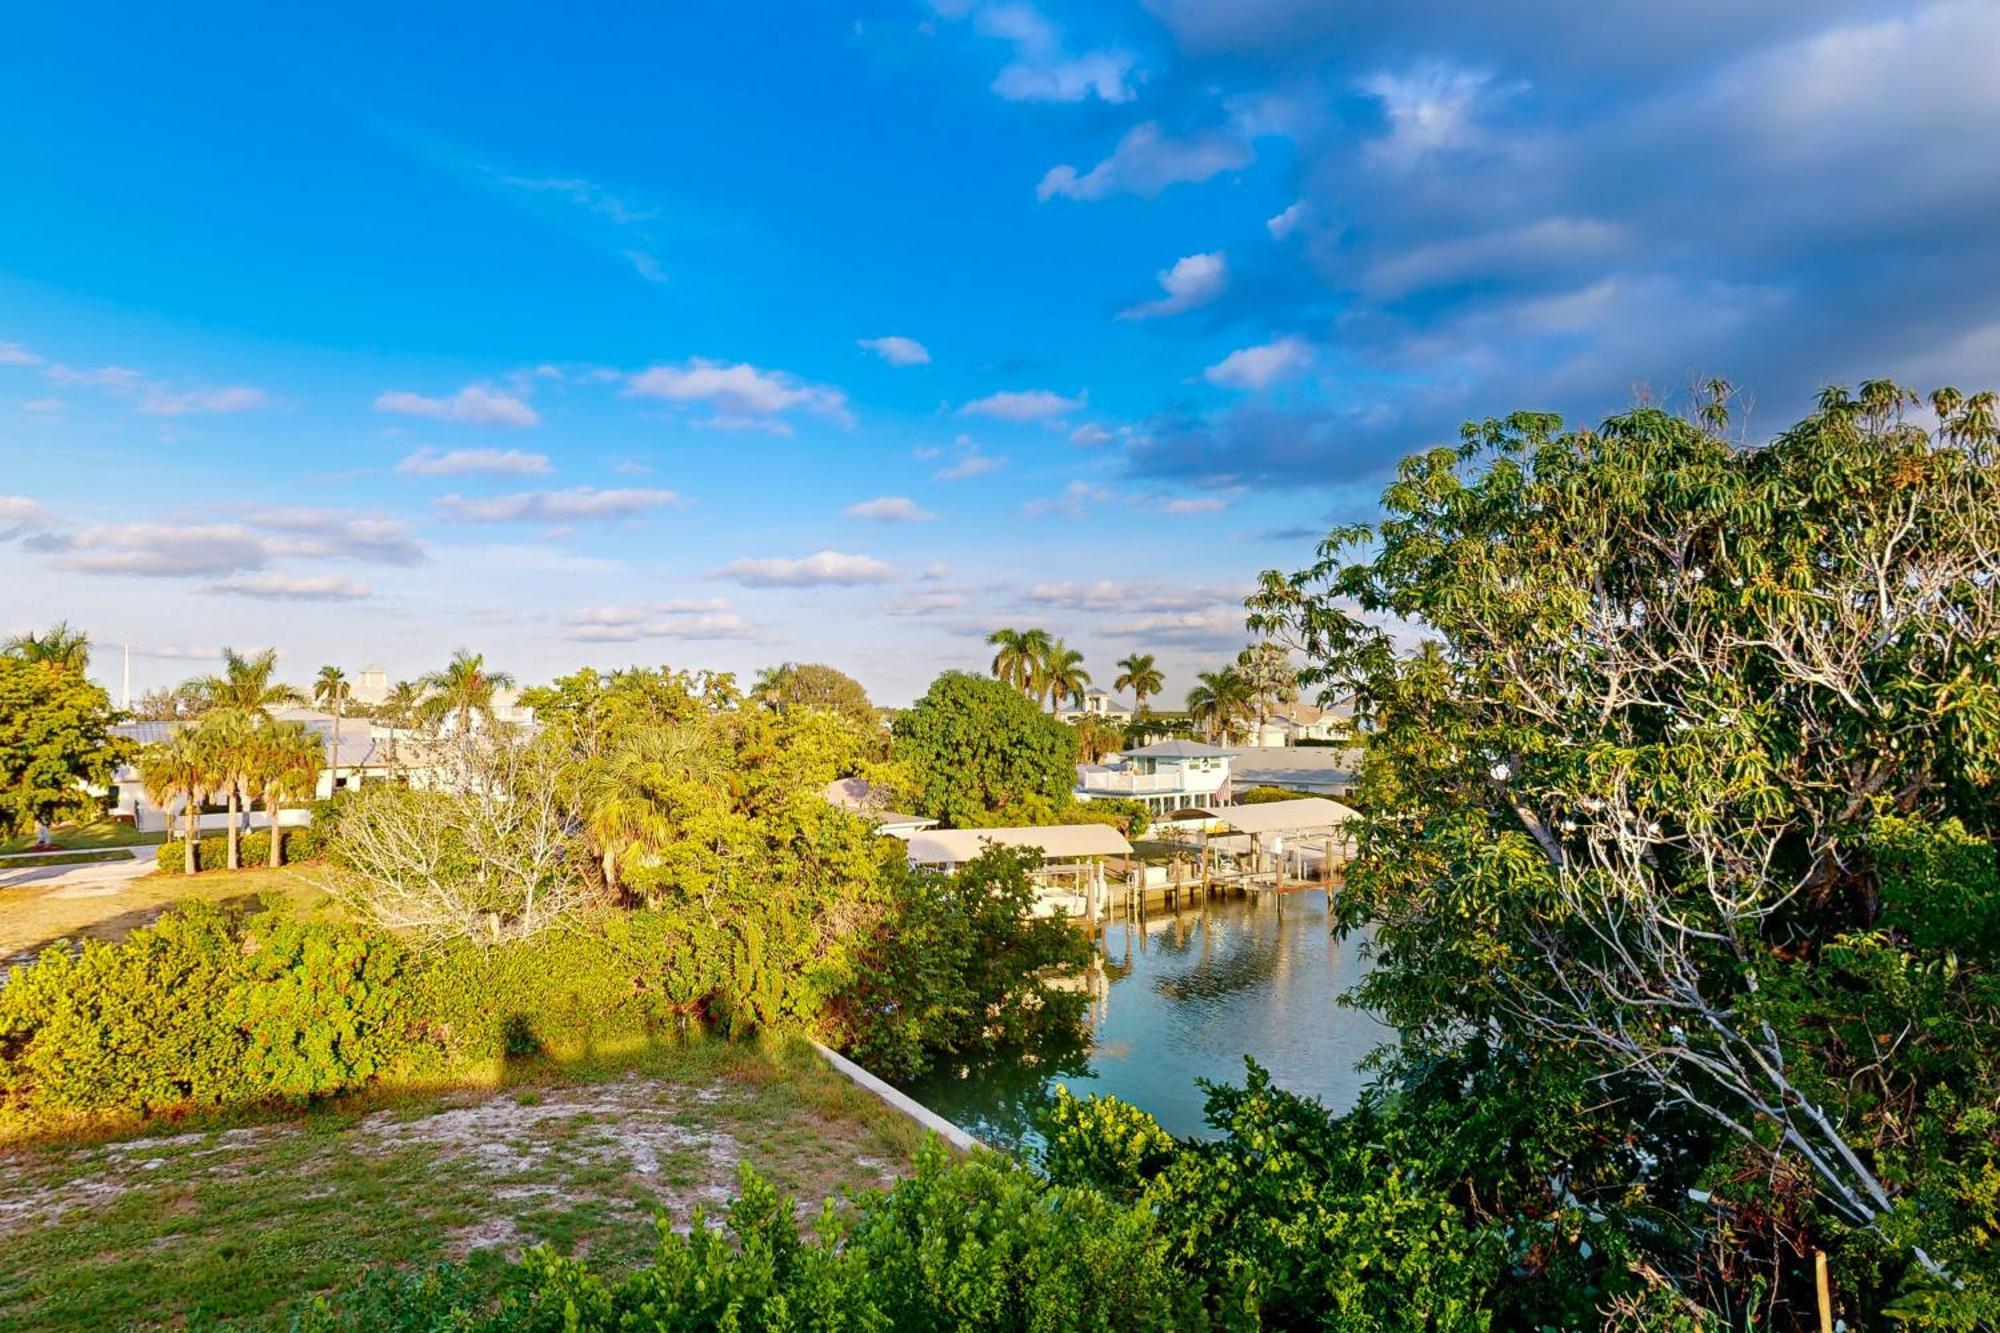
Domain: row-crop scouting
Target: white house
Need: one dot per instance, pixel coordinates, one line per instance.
(1165, 776)
(1291, 723)
(1097, 703)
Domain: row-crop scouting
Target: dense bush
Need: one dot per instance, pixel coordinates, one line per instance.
(982, 1245)
(253, 848)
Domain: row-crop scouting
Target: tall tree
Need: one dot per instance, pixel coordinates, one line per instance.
(1018, 657)
(1218, 702)
(1702, 778)
(59, 645)
(229, 735)
(182, 768)
(815, 685)
(331, 690)
(55, 739)
(246, 684)
(981, 752)
(286, 758)
(1062, 675)
(1139, 674)
(464, 689)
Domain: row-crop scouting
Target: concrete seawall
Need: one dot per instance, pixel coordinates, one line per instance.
(902, 1102)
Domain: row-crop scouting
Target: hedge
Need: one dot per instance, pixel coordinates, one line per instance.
(211, 852)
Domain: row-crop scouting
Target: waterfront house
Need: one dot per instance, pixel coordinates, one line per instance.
(1097, 703)
(1164, 777)
(1303, 723)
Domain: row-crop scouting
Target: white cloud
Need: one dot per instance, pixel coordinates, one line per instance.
(645, 265)
(890, 509)
(294, 588)
(1287, 222)
(1109, 595)
(13, 354)
(584, 194)
(898, 350)
(825, 568)
(1193, 281)
(1215, 629)
(474, 405)
(1042, 69)
(1023, 405)
(460, 462)
(43, 405)
(1204, 505)
(932, 602)
(19, 514)
(969, 463)
(1429, 110)
(679, 618)
(1072, 503)
(1260, 366)
(1090, 433)
(168, 550)
(739, 392)
(160, 402)
(1146, 162)
(575, 504)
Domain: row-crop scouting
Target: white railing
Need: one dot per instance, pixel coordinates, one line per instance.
(1131, 784)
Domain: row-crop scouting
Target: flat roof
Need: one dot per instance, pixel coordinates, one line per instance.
(1307, 814)
(955, 846)
(1177, 750)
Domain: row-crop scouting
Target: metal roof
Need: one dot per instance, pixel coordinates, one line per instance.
(1307, 814)
(1177, 750)
(958, 845)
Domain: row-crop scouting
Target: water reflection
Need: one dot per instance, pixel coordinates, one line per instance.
(1184, 997)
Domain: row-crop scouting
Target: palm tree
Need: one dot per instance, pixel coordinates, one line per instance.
(61, 646)
(1218, 701)
(1062, 675)
(1019, 659)
(182, 767)
(245, 684)
(398, 710)
(1096, 738)
(1138, 674)
(230, 738)
(286, 759)
(330, 690)
(1271, 678)
(463, 688)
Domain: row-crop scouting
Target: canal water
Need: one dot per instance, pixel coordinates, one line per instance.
(1187, 996)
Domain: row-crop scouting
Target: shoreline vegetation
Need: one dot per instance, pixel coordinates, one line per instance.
(1677, 840)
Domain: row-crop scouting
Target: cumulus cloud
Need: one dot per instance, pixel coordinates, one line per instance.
(645, 265)
(740, 393)
(1207, 504)
(1074, 501)
(1091, 434)
(462, 462)
(1216, 629)
(163, 402)
(1193, 281)
(1147, 161)
(898, 350)
(338, 533)
(149, 395)
(293, 588)
(1042, 68)
(1261, 366)
(13, 354)
(823, 569)
(19, 515)
(1428, 110)
(968, 461)
(1022, 405)
(1284, 223)
(577, 504)
(678, 618)
(890, 509)
(1130, 598)
(474, 405)
(167, 550)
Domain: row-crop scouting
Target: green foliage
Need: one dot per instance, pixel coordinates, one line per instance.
(211, 852)
(54, 737)
(955, 971)
(1129, 816)
(1265, 795)
(977, 1245)
(976, 747)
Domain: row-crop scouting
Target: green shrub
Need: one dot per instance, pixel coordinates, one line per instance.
(211, 851)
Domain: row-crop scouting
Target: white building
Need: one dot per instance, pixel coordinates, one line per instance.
(371, 687)
(1165, 776)
(1097, 703)
(1289, 724)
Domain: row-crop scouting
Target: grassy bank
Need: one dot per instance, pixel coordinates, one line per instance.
(230, 1218)
(94, 836)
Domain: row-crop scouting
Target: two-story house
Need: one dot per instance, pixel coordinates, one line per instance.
(1166, 776)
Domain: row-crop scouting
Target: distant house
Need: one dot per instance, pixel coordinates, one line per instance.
(366, 754)
(1289, 724)
(1097, 703)
(371, 687)
(1323, 770)
(1165, 776)
(864, 799)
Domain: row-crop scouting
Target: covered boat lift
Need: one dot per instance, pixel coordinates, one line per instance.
(1269, 845)
(1071, 879)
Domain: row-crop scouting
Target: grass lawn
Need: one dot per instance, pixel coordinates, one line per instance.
(230, 1221)
(33, 915)
(65, 859)
(98, 833)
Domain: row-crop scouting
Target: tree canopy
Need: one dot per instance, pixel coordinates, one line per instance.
(980, 753)
(55, 737)
(1660, 832)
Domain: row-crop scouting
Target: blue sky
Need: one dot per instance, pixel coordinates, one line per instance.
(724, 335)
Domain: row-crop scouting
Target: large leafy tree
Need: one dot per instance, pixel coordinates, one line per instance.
(979, 753)
(60, 645)
(815, 685)
(55, 739)
(1709, 743)
(1140, 674)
